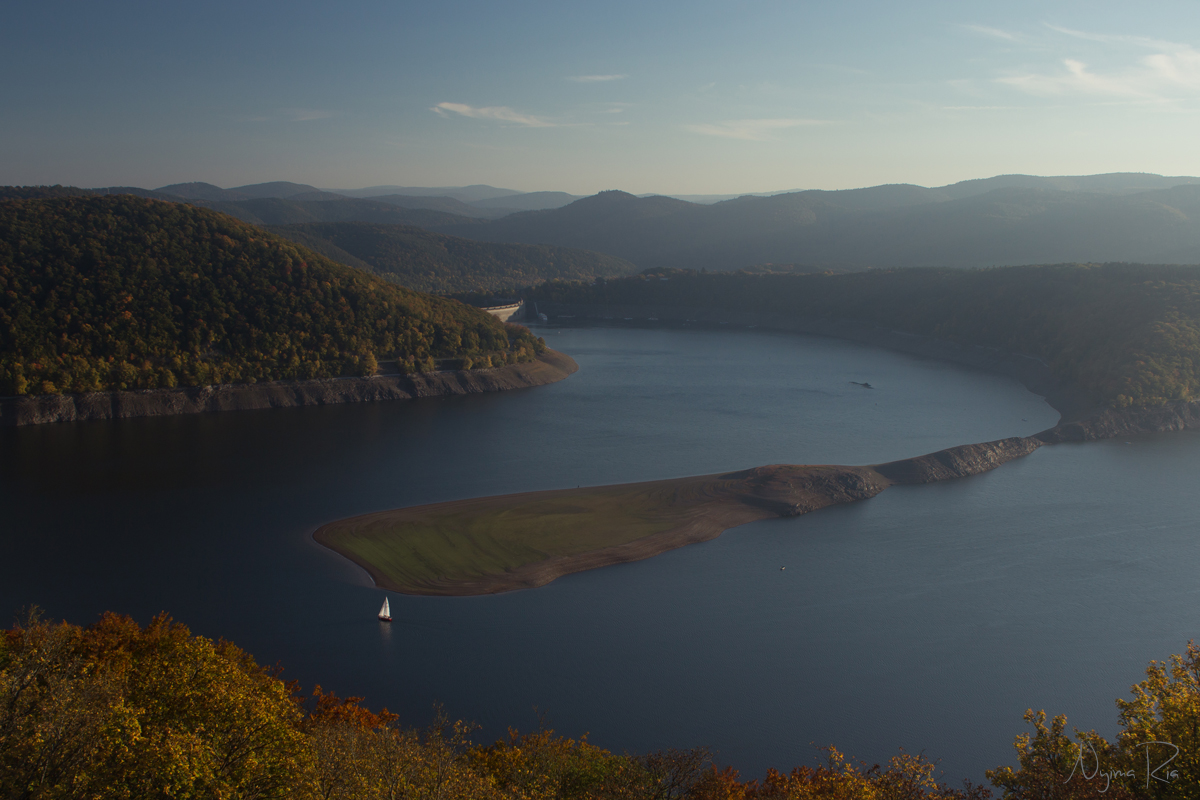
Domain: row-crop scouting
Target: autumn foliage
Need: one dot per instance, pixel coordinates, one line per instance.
(116, 710)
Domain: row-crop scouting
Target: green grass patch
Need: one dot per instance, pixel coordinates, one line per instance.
(461, 541)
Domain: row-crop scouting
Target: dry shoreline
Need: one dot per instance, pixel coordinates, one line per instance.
(792, 489)
(703, 506)
(549, 367)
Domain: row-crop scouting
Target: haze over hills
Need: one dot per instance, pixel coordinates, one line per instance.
(1006, 219)
(390, 241)
(278, 211)
(1002, 220)
(430, 262)
(465, 194)
(448, 205)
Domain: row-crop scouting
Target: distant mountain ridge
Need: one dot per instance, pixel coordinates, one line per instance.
(998, 221)
(1001, 220)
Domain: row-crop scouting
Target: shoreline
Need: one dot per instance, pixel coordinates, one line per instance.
(698, 509)
(1081, 419)
(1071, 402)
(547, 368)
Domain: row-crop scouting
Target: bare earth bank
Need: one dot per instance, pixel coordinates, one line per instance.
(549, 367)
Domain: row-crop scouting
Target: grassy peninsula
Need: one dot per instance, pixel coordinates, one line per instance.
(119, 292)
(1129, 335)
(497, 544)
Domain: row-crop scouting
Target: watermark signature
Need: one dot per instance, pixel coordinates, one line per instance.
(1156, 773)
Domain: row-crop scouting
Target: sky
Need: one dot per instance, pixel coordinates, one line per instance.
(668, 97)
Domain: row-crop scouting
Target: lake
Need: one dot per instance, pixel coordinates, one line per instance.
(927, 618)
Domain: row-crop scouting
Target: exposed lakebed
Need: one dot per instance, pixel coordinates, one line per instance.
(928, 618)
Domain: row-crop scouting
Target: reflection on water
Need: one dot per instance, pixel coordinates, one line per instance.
(928, 617)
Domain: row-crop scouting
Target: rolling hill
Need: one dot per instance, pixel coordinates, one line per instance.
(883, 226)
(431, 262)
(120, 292)
(278, 211)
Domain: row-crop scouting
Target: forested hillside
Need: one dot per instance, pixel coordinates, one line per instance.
(1129, 333)
(431, 262)
(120, 292)
(290, 211)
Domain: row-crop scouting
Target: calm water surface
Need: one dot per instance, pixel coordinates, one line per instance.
(928, 617)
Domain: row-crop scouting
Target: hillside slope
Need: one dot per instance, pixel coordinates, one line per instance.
(120, 292)
(431, 262)
(278, 211)
(884, 226)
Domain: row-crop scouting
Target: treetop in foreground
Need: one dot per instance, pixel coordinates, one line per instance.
(116, 710)
(120, 711)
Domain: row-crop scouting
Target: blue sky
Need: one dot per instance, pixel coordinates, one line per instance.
(670, 97)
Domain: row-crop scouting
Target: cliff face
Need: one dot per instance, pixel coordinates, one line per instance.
(550, 367)
(1111, 423)
(957, 462)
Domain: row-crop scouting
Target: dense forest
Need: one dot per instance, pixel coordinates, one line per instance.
(431, 262)
(121, 292)
(119, 711)
(1128, 333)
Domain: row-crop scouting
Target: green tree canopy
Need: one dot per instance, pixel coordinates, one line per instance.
(120, 292)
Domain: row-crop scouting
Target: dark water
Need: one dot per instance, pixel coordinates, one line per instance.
(929, 617)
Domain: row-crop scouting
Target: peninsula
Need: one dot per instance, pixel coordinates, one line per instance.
(518, 541)
(497, 544)
(1111, 347)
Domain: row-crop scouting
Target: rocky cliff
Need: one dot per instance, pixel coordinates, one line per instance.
(957, 462)
(1110, 423)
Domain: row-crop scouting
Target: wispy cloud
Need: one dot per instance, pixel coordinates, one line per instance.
(1116, 38)
(753, 130)
(595, 78)
(995, 33)
(1173, 69)
(305, 114)
(498, 113)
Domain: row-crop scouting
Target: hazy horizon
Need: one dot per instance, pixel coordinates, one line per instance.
(667, 98)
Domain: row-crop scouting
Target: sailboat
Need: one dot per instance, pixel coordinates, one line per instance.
(385, 613)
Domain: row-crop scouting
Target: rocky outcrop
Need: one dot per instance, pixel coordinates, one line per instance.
(957, 462)
(550, 367)
(1111, 423)
(791, 490)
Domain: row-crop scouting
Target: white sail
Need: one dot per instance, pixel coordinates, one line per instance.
(386, 611)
